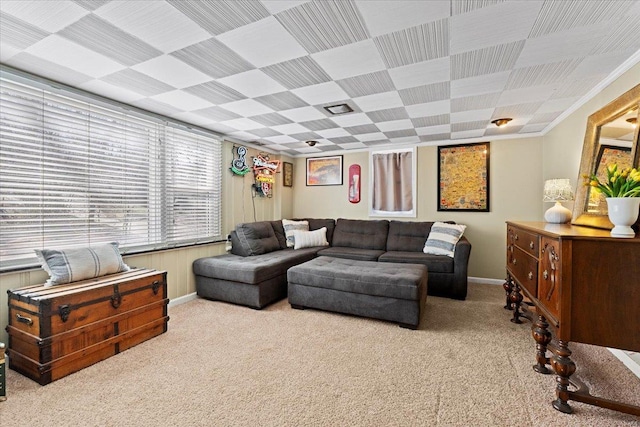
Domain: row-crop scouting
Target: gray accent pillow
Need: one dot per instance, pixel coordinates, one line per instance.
(71, 265)
(257, 238)
(236, 246)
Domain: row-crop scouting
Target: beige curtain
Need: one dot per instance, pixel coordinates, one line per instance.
(392, 182)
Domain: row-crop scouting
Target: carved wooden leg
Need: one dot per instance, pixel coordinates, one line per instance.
(508, 287)
(564, 368)
(515, 297)
(540, 332)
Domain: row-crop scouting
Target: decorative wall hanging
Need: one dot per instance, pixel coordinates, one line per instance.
(287, 174)
(354, 183)
(324, 171)
(264, 173)
(239, 165)
(463, 177)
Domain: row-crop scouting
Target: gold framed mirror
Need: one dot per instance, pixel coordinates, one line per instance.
(611, 137)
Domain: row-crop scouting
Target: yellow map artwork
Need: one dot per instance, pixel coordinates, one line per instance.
(463, 177)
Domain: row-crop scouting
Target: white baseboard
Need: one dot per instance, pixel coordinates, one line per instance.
(485, 280)
(627, 360)
(183, 299)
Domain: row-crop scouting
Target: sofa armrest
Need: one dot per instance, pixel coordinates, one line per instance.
(460, 268)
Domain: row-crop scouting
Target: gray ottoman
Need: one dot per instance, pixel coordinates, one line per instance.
(380, 290)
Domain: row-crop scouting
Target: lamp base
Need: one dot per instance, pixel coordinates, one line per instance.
(557, 214)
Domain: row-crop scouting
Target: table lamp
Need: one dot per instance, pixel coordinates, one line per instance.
(557, 190)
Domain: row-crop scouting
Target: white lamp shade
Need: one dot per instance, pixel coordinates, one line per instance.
(557, 190)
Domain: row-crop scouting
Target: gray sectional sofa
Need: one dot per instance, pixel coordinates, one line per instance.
(255, 272)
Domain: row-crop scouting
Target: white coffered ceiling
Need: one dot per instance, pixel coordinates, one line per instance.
(262, 71)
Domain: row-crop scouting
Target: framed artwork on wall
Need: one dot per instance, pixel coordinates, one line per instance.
(287, 174)
(463, 177)
(324, 171)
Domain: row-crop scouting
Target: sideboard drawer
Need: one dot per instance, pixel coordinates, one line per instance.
(526, 241)
(524, 269)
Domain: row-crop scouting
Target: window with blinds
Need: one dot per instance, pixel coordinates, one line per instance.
(76, 171)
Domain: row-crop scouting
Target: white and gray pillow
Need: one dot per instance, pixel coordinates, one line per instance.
(71, 265)
(289, 226)
(442, 239)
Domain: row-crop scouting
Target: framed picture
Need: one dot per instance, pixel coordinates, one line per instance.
(463, 177)
(324, 171)
(287, 174)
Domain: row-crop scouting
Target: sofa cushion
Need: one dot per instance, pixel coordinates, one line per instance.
(346, 275)
(351, 253)
(316, 224)
(251, 270)
(236, 245)
(434, 263)
(289, 225)
(407, 236)
(257, 238)
(443, 238)
(309, 239)
(361, 234)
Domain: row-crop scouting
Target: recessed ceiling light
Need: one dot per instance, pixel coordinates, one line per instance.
(501, 122)
(339, 109)
(311, 143)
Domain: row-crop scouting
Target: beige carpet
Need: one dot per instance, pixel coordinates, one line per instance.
(225, 365)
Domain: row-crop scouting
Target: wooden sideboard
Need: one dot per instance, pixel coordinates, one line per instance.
(585, 286)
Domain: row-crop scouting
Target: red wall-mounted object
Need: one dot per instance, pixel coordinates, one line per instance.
(354, 183)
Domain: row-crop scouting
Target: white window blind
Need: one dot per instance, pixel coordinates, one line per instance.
(75, 172)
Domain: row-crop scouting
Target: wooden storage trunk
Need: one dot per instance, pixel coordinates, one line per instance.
(55, 331)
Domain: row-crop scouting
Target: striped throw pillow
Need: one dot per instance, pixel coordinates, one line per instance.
(309, 239)
(443, 238)
(289, 226)
(70, 265)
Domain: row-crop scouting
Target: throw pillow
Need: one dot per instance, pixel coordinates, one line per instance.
(442, 239)
(70, 265)
(289, 226)
(257, 238)
(309, 239)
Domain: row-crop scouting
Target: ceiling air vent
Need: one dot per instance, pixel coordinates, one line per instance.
(339, 109)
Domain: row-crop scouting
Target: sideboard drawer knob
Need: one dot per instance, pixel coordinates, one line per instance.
(545, 274)
(531, 245)
(530, 275)
(514, 261)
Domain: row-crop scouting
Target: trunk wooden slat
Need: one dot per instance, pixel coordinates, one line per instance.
(55, 331)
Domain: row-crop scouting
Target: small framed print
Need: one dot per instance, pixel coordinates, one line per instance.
(287, 174)
(324, 171)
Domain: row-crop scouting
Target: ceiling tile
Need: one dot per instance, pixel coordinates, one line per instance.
(322, 124)
(350, 60)
(468, 134)
(554, 105)
(518, 110)
(471, 116)
(213, 58)
(405, 140)
(271, 119)
(362, 129)
(382, 17)
(303, 114)
(344, 139)
(401, 133)
(276, 6)
(429, 109)
(305, 136)
(91, 4)
(388, 114)
(379, 101)
(479, 85)
(530, 94)
(98, 35)
(415, 44)
(324, 25)
(281, 139)
(367, 84)
(488, 60)
(576, 43)
(282, 101)
(332, 133)
(172, 71)
(69, 54)
(242, 124)
(503, 23)
(395, 125)
(321, 93)
(156, 106)
(264, 132)
(538, 75)
(182, 100)
(19, 34)
(290, 129)
(297, 73)
(252, 83)
(353, 145)
(113, 92)
(220, 16)
(263, 43)
(436, 137)
(155, 22)
(137, 82)
(352, 119)
(475, 102)
(47, 15)
(247, 108)
(428, 121)
(426, 93)
(421, 73)
(218, 114)
(433, 130)
(374, 136)
(215, 92)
